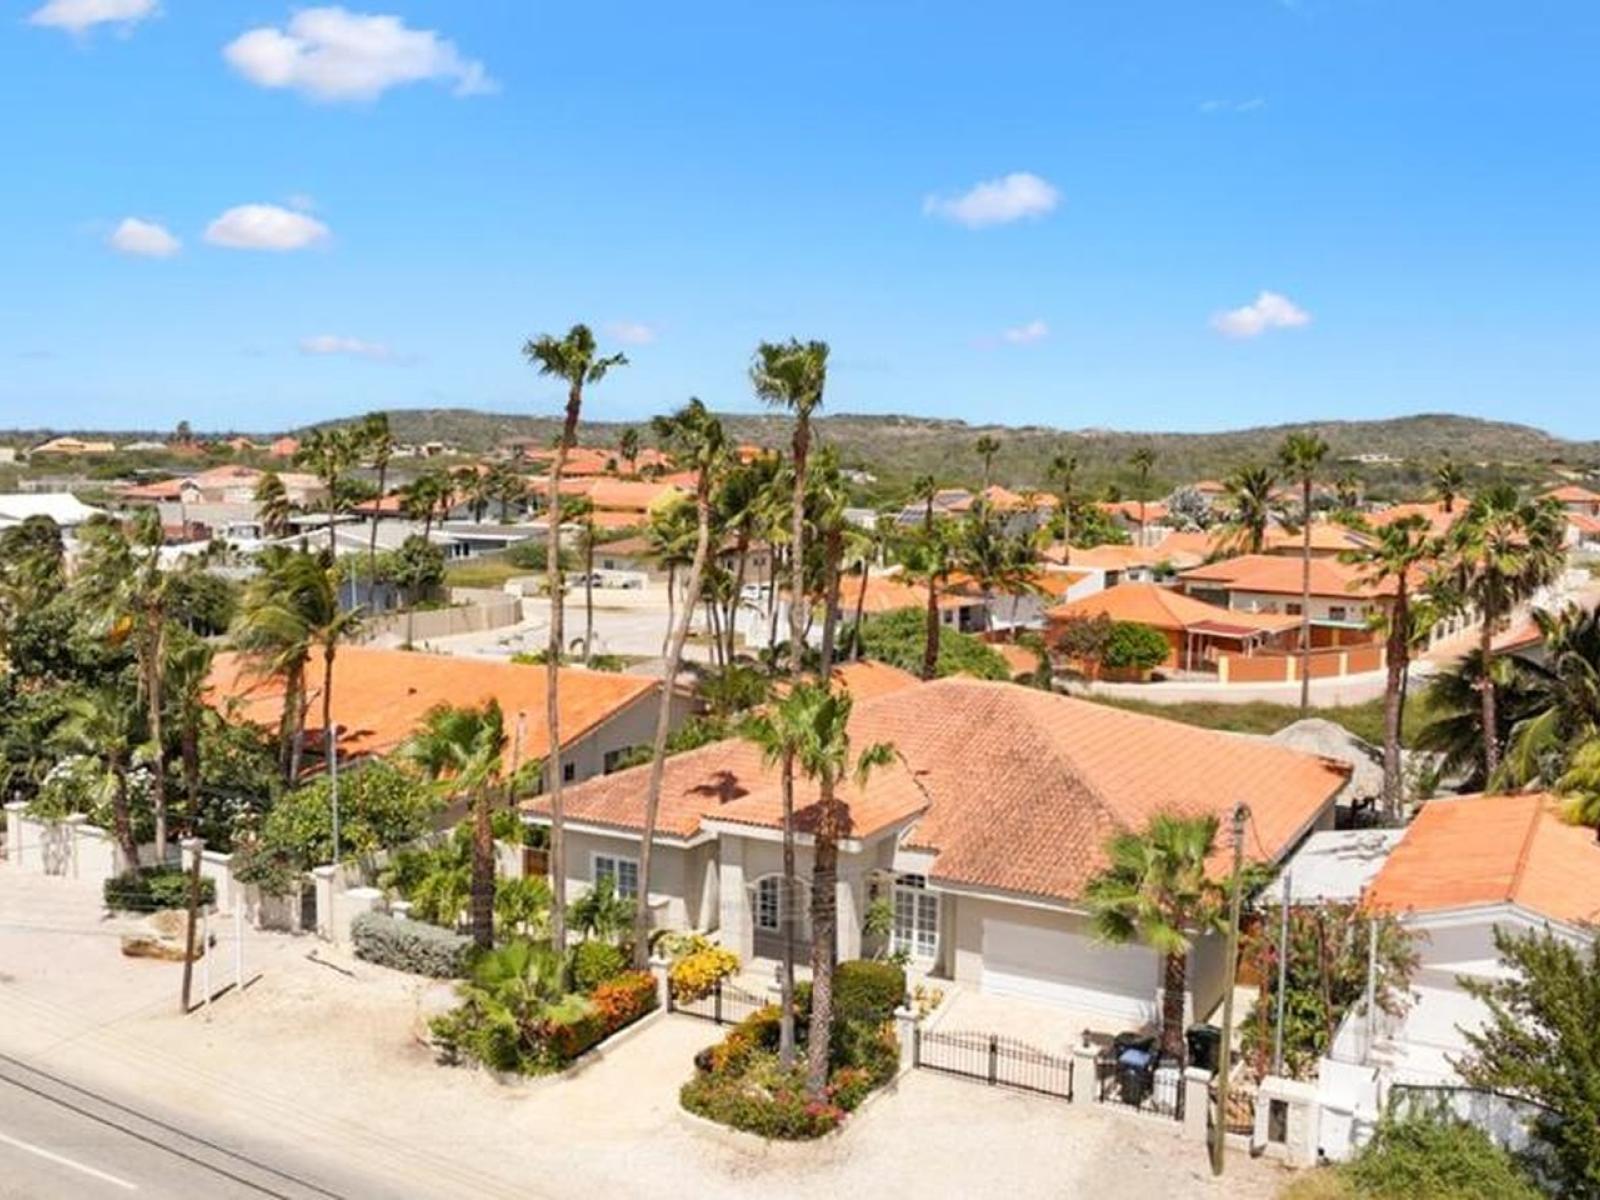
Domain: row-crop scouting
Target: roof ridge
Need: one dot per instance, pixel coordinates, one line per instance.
(1526, 849)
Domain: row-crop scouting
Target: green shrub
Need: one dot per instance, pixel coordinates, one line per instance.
(154, 888)
(766, 1101)
(593, 963)
(695, 974)
(1439, 1159)
(410, 946)
(1135, 647)
(864, 990)
(899, 639)
(380, 807)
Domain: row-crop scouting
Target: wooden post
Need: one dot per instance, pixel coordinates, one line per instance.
(193, 845)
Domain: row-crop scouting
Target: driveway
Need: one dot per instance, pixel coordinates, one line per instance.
(1051, 1028)
(318, 1057)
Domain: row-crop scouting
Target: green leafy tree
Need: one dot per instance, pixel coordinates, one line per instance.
(1563, 686)
(464, 749)
(1301, 457)
(1143, 461)
(1155, 891)
(628, 448)
(1134, 647)
(1251, 509)
(108, 726)
(1542, 1042)
(575, 360)
(426, 497)
(987, 447)
(330, 452)
(899, 639)
(376, 444)
(1449, 481)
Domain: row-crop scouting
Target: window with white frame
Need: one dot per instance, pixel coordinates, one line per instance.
(623, 873)
(768, 907)
(916, 918)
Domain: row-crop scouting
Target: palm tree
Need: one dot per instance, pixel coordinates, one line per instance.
(576, 361)
(579, 511)
(1501, 551)
(1155, 891)
(671, 534)
(105, 724)
(696, 439)
(792, 375)
(330, 451)
(1563, 695)
(628, 448)
(32, 570)
(464, 749)
(740, 507)
(507, 487)
(1064, 470)
(810, 726)
(377, 443)
(987, 447)
(276, 645)
(124, 585)
(1455, 730)
(1251, 509)
(1398, 553)
(189, 661)
(1143, 461)
(425, 497)
(1348, 491)
(1301, 457)
(1448, 483)
(272, 506)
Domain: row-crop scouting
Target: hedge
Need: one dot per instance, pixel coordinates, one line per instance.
(867, 991)
(613, 1005)
(154, 888)
(411, 946)
(594, 962)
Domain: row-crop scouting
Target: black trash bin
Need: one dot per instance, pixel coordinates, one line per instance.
(1205, 1046)
(1135, 1059)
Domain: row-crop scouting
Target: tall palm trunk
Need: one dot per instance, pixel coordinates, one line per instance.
(482, 902)
(861, 607)
(1174, 982)
(736, 601)
(772, 600)
(372, 535)
(1486, 696)
(672, 603)
(834, 546)
(121, 813)
(291, 704)
(930, 646)
(154, 641)
(825, 867)
(552, 674)
(588, 594)
(1393, 701)
(1305, 598)
(189, 748)
(797, 630)
(658, 755)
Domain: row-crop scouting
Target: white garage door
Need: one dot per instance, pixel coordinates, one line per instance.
(1058, 967)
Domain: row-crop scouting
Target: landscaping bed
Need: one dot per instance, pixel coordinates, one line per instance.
(740, 1082)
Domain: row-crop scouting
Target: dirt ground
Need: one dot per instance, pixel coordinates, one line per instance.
(320, 1050)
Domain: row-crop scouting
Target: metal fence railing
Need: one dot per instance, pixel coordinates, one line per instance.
(726, 1004)
(993, 1059)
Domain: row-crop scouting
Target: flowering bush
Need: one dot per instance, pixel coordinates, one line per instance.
(695, 974)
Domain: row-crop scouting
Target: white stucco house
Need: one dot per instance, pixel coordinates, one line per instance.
(1465, 867)
(981, 836)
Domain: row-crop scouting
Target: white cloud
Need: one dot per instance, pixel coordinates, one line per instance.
(265, 227)
(632, 333)
(329, 343)
(80, 16)
(1269, 310)
(334, 54)
(1025, 335)
(1232, 106)
(146, 239)
(996, 201)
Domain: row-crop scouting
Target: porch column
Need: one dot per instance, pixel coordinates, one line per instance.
(849, 907)
(738, 933)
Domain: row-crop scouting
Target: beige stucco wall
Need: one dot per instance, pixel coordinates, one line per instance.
(743, 860)
(683, 881)
(634, 725)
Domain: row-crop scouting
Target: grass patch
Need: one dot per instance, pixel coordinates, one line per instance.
(485, 571)
(1263, 717)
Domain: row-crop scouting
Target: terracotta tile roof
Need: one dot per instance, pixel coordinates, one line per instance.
(1019, 659)
(1584, 523)
(1279, 574)
(166, 489)
(1573, 493)
(1017, 788)
(1187, 548)
(1434, 511)
(1326, 537)
(1467, 851)
(1163, 608)
(1104, 558)
(1052, 582)
(1128, 510)
(380, 696)
(868, 679)
(888, 594)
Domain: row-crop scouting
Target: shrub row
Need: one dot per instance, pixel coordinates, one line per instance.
(154, 888)
(410, 946)
(613, 1005)
(595, 962)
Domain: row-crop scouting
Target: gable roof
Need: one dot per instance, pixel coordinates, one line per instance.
(1280, 574)
(1163, 608)
(1011, 788)
(1108, 557)
(381, 696)
(1467, 851)
(1573, 493)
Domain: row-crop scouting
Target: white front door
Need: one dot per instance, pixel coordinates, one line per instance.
(1072, 970)
(916, 919)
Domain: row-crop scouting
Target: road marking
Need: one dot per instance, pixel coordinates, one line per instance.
(67, 1162)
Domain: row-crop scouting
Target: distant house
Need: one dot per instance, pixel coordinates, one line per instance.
(284, 447)
(72, 446)
(1116, 564)
(1582, 509)
(65, 509)
(1196, 632)
(1147, 527)
(980, 835)
(382, 696)
(235, 484)
(1343, 602)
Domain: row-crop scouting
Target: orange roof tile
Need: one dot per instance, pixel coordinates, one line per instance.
(1019, 659)
(868, 678)
(1163, 608)
(1012, 788)
(1434, 511)
(1326, 537)
(889, 594)
(1467, 851)
(1573, 493)
(1280, 574)
(381, 696)
(1105, 558)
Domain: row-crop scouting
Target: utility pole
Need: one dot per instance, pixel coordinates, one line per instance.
(1219, 1132)
(333, 782)
(193, 845)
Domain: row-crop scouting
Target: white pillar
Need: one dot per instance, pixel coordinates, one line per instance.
(1196, 1103)
(71, 824)
(14, 848)
(1085, 1083)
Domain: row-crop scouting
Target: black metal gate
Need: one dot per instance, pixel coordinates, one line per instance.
(726, 1004)
(993, 1059)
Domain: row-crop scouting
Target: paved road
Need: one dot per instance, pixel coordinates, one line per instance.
(61, 1140)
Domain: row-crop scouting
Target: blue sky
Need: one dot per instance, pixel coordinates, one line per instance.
(1413, 185)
